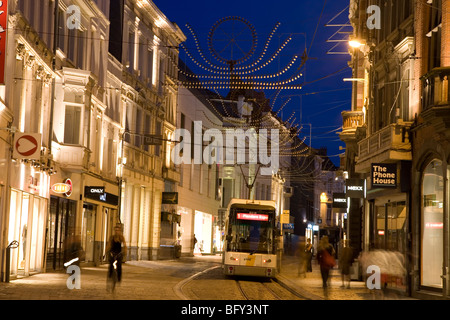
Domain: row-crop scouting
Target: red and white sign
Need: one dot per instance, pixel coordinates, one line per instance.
(253, 216)
(3, 28)
(434, 225)
(27, 145)
(68, 182)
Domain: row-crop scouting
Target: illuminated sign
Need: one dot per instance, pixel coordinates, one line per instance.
(384, 175)
(96, 190)
(3, 28)
(434, 225)
(60, 188)
(354, 188)
(253, 216)
(99, 194)
(339, 200)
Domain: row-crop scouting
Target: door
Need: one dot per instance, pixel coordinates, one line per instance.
(88, 231)
(61, 225)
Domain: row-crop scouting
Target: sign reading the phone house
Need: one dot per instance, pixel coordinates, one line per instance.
(384, 175)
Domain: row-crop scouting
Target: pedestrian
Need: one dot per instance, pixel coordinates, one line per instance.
(303, 260)
(309, 254)
(345, 262)
(325, 257)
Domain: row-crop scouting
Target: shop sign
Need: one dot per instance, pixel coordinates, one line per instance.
(69, 183)
(339, 200)
(384, 175)
(95, 194)
(288, 226)
(61, 187)
(3, 28)
(153, 140)
(170, 198)
(27, 145)
(94, 190)
(354, 188)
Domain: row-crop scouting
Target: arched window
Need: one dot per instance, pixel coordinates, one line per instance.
(432, 225)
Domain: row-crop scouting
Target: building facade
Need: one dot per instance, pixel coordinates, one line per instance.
(198, 191)
(397, 135)
(86, 102)
(431, 152)
(146, 46)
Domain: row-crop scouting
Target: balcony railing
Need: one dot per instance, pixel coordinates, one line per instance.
(390, 143)
(70, 157)
(351, 120)
(435, 88)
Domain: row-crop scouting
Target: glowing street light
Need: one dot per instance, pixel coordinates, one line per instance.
(354, 43)
(354, 79)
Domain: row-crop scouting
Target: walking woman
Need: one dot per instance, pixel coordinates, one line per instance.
(325, 257)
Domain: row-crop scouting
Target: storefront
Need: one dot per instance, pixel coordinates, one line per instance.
(27, 219)
(99, 216)
(203, 223)
(430, 212)
(61, 226)
(387, 219)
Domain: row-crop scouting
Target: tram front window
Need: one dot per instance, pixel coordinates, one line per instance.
(251, 236)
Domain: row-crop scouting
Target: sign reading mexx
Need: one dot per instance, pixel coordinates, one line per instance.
(384, 175)
(354, 188)
(339, 200)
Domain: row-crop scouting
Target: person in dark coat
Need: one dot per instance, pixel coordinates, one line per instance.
(325, 257)
(345, 263)
(309, 254)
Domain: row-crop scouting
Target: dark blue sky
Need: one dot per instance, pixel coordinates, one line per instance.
(318, 102)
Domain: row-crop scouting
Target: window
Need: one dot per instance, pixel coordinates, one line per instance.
(149, 67)
(432, 225)
(72, 124)
(158, 131)
(61, 29)
(131, 52)
(147, 129)
(434, 35)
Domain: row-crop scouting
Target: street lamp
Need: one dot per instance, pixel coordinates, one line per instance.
(354, 43)
(354, 79)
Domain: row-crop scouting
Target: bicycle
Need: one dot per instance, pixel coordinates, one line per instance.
(114, 277)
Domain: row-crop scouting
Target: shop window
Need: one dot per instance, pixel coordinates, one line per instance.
(390, 231)
(432, 226)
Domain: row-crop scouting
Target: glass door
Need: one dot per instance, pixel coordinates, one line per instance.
(23, 235)
(61, 225)
(88, 231)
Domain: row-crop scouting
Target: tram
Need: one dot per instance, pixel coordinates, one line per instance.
(250, 240)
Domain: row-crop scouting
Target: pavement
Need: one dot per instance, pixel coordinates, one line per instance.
(310, 284)
(159, 284)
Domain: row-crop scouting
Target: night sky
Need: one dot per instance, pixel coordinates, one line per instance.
(324, 94)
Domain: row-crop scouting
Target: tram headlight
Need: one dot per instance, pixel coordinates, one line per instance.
(267, 261)
(234, 259)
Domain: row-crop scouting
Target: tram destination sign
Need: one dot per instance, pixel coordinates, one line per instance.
(384, 175)
(253, 216)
